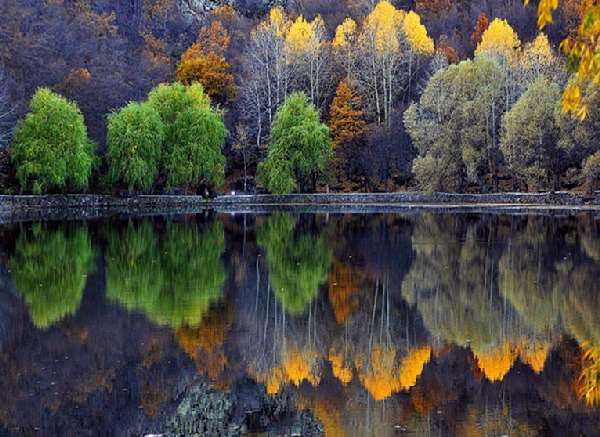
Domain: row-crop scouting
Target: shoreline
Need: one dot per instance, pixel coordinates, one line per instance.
(19, 208)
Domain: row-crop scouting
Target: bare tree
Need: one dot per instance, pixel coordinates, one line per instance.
(6, 111)
(242, 145)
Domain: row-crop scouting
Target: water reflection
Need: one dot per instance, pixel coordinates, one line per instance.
(440, 324)
(49, 268)
(298, 262)
(172, 278)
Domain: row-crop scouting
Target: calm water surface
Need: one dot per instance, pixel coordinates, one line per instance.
(419, 323)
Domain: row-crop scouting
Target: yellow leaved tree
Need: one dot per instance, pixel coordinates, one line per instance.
(499, 39)
(344, 44)
(582, 48)
(305, 45)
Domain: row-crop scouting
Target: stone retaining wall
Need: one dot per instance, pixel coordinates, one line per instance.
(149, 203)
(557, 199)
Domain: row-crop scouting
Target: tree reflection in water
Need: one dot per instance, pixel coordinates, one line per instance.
(50, 268)
(439, 324)
(174, 278)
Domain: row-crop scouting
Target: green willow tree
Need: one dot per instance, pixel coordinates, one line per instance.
(173, 279)
(51, 150)
(299, 150)
(530, 136)
(194, 135)
(49, 269)
(455, 126)
(298, 262)
(135, 138)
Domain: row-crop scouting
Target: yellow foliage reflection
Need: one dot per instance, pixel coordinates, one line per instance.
(412, 366)
(340, 369)
(496, 362)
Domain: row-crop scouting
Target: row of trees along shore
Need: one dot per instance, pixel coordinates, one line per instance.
(375, 105)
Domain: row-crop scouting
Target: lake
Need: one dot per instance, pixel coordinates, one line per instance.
(410, 323)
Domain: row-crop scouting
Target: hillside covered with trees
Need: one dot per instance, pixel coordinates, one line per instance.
(184, 96)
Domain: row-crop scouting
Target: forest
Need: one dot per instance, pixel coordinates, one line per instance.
(183, 96)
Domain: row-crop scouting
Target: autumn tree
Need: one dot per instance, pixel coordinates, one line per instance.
(347, 126)
(538, 59)
(480, 27)
(204, 62)
(530, 134)
(389, 49)
(299, 150)
(579, 138)
(420, 44)
(266, 72)
(51, 149)
(381, 44)
(455, 126)
(501, 43)
(344, 46)
(307, 53)
(581, 47)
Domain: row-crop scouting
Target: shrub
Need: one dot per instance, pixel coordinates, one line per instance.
(135, 137)
(51, 149)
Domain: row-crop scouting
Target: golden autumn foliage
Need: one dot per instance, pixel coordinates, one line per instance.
(496, 362)
(379, 375)
(382, 376)
(301, 365)
(588, 385)
(301, 37)
(329, 415)
(346, 117)
(383, 27)
(412, 366)
(345, 34)
(339, 367)
(534, 354)
(214, 38)
(277, 23)
(582, 48)
(499, 39)
(204, 63)
(416, 34)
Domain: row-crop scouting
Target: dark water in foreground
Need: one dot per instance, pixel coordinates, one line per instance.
(418, 324)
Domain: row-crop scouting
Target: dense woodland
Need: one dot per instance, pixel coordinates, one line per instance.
(353, 95)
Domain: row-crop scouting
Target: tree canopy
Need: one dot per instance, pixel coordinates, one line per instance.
(51, 149)
(300, 147)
